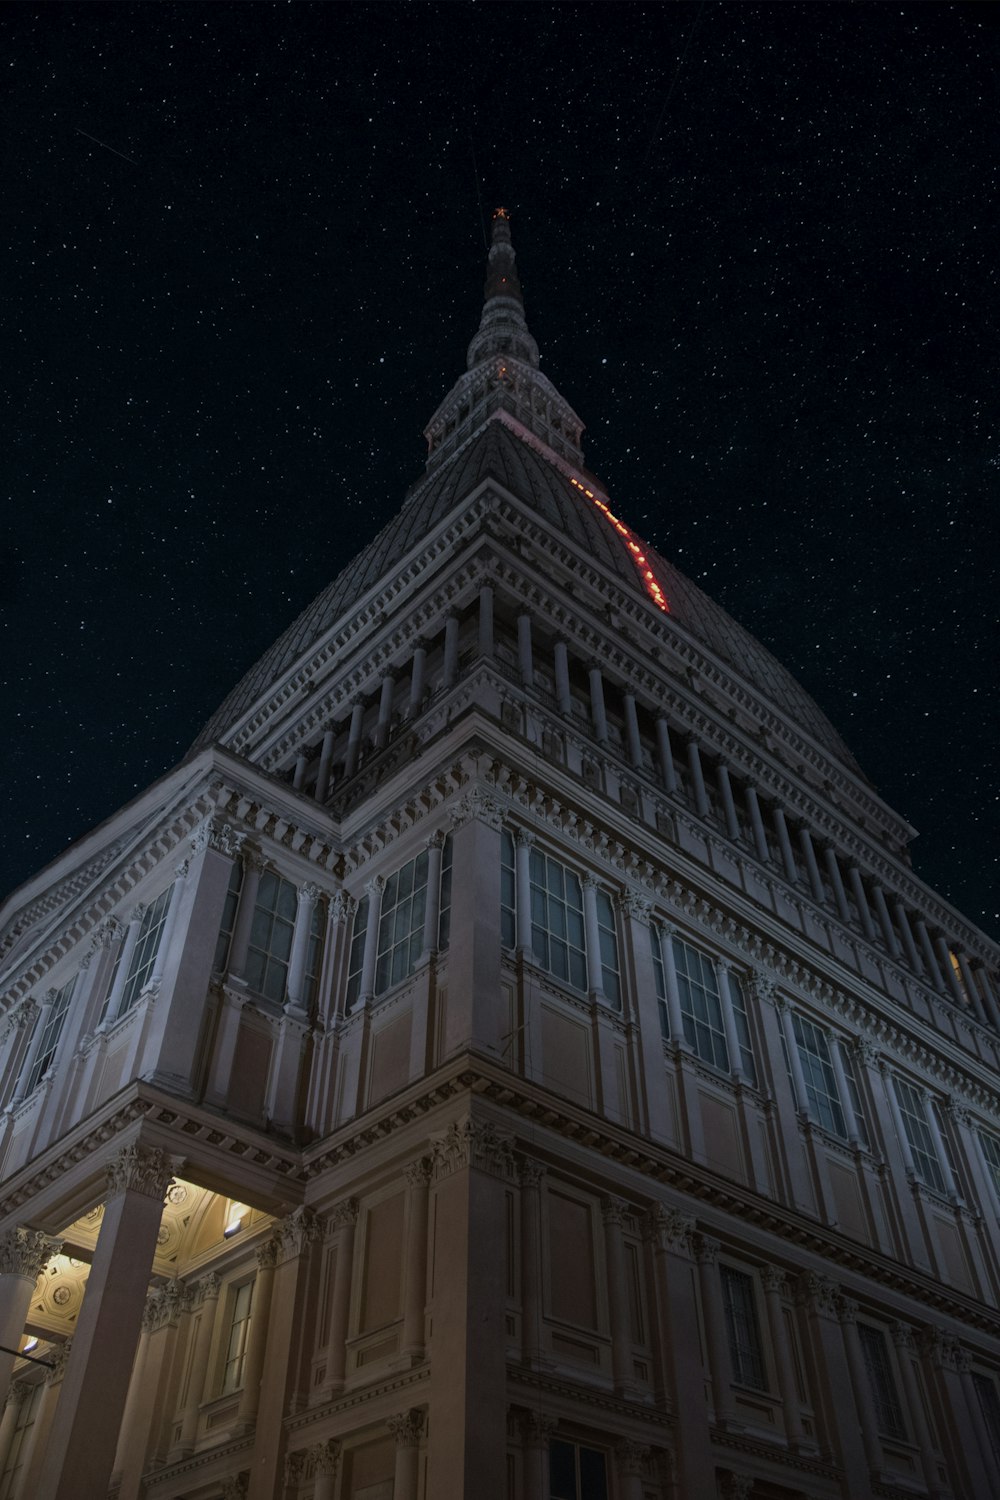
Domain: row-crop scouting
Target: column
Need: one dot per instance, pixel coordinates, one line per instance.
(343, 1219)
(530, 1174)
(837, 882)
(843, 1090)
(324, 1461)
(858, 1386)
(630, 1466)
(523, 841)
(988, 993)
(17, 1393)
(598, 714)
(450, 670)
(902, 1337)
(812, 868)
(728, 805)
(971, 989)
(81, 1450)
(325, 757)
(785, 845)
(114, 1000)
(486, 620)
(697, 779)
(354, 738)
(301, 761)
(36, 1446)
(42, 1011)
(561, 661)
(930, 962)
(407, 1429)
(253, 866)
(417, 677)
(989, 1465)
(666, 754)
(897, 1120)
(381, 735)
(861, 901)
(757, 825)
(204, 1305)
(903, 924)
(885, 921)
(723, 974)
(674, 1014)
(536, 1429)
(150, 1317)
(592, 938)
(432, 903)
(716, 1338)
(260, 1308)
(418, 1176)
(632, 737)
(524, 651)
(668, 1235)
(944, 953)
(613, 1212)
(373, 889)
(477, 1014)
(307, 896)
(794, 1060)
(775, 1287)
(24, 1254)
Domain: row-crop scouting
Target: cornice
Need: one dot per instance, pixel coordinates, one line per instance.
(787, 1458)
(639, 1415)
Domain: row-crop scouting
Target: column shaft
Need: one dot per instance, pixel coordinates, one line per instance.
(486, 620)
(667, 769)
(307, 895)
(598, 713)
(561, 660)
(720, 1365)
(325, 757)
(632, 730)
(592, 937)
(417, 678)
(260, 1309)
(415, 1287)
(354, 739)
(381, 735)
(432, 903)
(861, 902)
(728, 805)
(885, 921)
(374, 888)
(837, 881)
(524, 652)
(345, 1217)
(757, 825)
(701, 803)
(450, 671)
(785, 845)
(812, 868)
(523, 841)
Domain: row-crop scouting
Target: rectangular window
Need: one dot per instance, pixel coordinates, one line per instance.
(576, 1472)
(746, 1350)
(989, 1404)
(444, 917)
(508, 889)
(701, 1007)
(54, 1022)
(608, 938)
(356, 958)
(557, 933)
(820, 1079)
(401, 925)
(271, 936)
(918, 1134)
(885, 1398)
(742, 1021)
(144, 953)
(990, 1147)
(854, 1099)
(314, 954)
(660, 981)
(241, 1308)
(228, 922)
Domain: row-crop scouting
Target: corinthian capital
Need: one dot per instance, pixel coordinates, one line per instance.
(24, 1252)
(407, 1428)
(140, 1169)
(477, 805)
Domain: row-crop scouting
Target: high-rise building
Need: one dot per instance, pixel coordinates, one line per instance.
(510, 1056)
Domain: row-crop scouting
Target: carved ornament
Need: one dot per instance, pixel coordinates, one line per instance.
(408, 1427)
(24, 1252)
(473, 1143)
(668, 1229)
(140, 1169)
(476, 805)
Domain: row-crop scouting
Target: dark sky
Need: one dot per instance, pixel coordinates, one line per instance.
(243, 254)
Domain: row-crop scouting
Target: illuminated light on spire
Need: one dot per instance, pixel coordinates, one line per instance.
(650, 582)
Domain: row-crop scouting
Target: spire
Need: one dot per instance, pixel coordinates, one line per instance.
(503, 378)
(502, 327)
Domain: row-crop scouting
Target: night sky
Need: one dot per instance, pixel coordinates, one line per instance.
(243, 254)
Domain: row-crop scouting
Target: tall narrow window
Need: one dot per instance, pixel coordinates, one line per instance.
(660, 981)
(918, 1135)
(610, 978)
(54, 1022)
(271, 936)
(228, 922)
(241, 1307)
(314, 953)
(401, 927)
(508, 889)
(444, 914)
(701, 1008)
(557, 932)
(746, 1350)
(821, 1081)
(742, 1021)
(989, 1404)
(853, 1101)
(576, 1472)
(144, 953)
(356, 957)
(990, 1147)
(885, 1398)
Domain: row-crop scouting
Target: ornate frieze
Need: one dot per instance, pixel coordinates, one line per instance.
(25, 1252)
(473, 1143)
(141, 1169)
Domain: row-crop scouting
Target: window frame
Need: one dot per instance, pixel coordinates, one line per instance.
(53, 1024)
(748, 1351)
(240, 1326)
(922, 1150)
(146, 950)
(264, 959)
(885, 1398)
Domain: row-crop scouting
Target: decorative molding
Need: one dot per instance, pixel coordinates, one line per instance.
(669, 1229)
(819, 1293)
(536, 1426)
(530, 1172)
(163, 1305)
(706, 1249)
(477, 805)
(308, 1463)
(473, 1143)
(205, 1289)
(774, 1279)
(23, 1016)
(218, 835)
(408, 1427)
(302, 1227)
(344, 1215)
(637, 907)
(614, 1212)
(141, 1169)
(25, 1252)
(342, 906)
(236, 1486)
(419, 1173)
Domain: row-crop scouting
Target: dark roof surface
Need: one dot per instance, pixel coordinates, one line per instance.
(497, 453)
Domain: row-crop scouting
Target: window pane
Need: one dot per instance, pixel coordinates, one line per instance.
(921, 1142)
(743, 1329)
(888, 1413)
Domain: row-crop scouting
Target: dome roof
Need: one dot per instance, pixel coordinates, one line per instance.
(500, 454)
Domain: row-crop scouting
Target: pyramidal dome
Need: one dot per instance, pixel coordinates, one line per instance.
(505, 423)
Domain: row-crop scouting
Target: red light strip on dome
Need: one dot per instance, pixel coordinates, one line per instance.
(649, 579)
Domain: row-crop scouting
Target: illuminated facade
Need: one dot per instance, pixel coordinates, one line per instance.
(510, 1056)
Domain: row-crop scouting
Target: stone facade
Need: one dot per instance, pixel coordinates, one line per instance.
(510, 1056)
